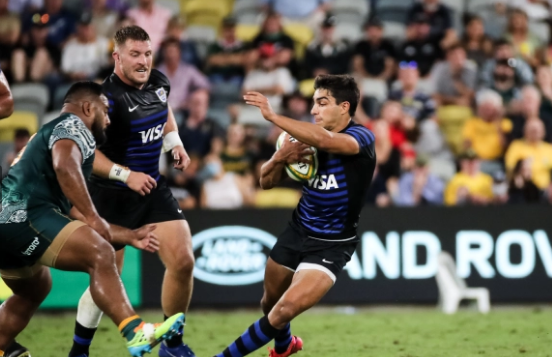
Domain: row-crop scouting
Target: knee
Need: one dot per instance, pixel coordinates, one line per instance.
(267, 303)
(101, 253)
(182, 263)
(283, 312)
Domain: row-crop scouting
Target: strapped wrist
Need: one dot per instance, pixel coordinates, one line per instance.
(119, 173)
(171, 140)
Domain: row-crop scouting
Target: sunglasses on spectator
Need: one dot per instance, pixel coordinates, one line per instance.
(408, 65)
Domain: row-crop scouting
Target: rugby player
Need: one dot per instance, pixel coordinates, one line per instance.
(6, 99)
(322, 234)
(46, 178)
(126, 186)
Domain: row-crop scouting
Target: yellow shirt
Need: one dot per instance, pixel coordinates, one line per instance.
(541, 160)
(485, 137)
(478, 185)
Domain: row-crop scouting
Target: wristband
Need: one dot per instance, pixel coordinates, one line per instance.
(171, 140)
(119, 173)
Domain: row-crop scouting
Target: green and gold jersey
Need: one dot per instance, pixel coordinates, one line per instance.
(31, 181)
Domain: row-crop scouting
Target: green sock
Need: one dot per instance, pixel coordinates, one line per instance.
(128, 326)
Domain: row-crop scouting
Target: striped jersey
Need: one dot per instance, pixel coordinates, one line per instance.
(331, 203)
(138, 118)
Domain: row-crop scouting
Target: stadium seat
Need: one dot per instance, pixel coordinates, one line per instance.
(246, 11)
(251, 116)
(306, 87)
(48, 117)
(172, 5)
(301, 34)
(31, 97)
(394, 31)
(353, 6)
(351, 32)
(201, 33)
(374, 88)
(206, 13)
(18, 120)
(458, 6)
(247, 32)
(541, 30)
(278, 197)
(393, 10)
(453, 289)
(475, 6)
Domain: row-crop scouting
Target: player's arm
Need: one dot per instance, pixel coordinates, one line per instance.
(272, 171)
(6, 99)
(67, 161)
(173, 143)
(136, 181)
(308, 133)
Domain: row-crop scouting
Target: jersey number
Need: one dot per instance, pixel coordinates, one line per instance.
(20, 153)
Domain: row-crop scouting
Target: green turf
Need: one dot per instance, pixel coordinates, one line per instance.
(383, 332)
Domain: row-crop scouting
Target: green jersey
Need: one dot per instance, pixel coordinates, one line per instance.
(32, 182)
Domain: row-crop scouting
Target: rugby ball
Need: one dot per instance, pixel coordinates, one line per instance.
(299, 171)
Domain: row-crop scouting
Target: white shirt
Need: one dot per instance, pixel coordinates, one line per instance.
(534, 11)
(223, 194)
(257, 80)
(85, 58)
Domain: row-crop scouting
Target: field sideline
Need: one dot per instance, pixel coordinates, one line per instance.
(381, 332)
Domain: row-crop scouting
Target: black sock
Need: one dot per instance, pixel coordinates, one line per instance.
(255, 337)
(82, 340)
(176, 340)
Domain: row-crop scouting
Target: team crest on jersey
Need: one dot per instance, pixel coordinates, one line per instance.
(162, 94)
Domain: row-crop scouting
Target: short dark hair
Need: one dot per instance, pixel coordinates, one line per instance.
(342, 87)
(501, 42)
(455, 46)
(82, 89)
(135, 33)
(170, 41)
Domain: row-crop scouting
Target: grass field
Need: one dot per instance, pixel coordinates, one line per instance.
(393, 332)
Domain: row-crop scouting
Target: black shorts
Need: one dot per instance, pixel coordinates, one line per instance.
(128, 209)
(296, 251)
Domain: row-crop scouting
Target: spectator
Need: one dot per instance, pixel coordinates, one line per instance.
(486, 133)
(309, 12)
(103, 18)
(525, 43)
(536, 10)
(544, 84)
(226, 190)
(522, 189)
(200, 134)
(503, 51)
(38, 58)
(419, 187)
(84, 55)
(21, 138)
(10, 29)
(532, 147)
(326, 55)
(439, 18)
(185, 185)
(184, 78)
(531, 109)
(478, 46)
(420, 47)
(61, 23)
(504, 83)
(22, 6)
(225, 58)
(235, 157)
(296, 106)
(455, 79)
(176, 28)
(153, 18)
(414, 102)
(470, 185)
(374, 56)
(270, 78)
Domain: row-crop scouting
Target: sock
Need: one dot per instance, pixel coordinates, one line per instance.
(283, 339)
(88, 319)
(82, 340)
(176, 340)
(128, 326)
(255, 337)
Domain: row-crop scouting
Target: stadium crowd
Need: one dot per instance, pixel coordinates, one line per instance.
(460, 102)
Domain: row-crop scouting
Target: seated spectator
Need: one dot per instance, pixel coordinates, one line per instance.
(153, 18)
(478, 46)
(38, 58)
(419, 187)
(270, 77)
(503, 51)
(21, 138)
(521, 188)
(504, 83)
(199, 133)
(420, 47)
(176, 29)
(184, 78)
(470, 185)
(415, 103)
(544, 85)
(440, 20)
(226, 190)
(84, 55)
(225, 57)
(374, 55)
(235, 157)
(536, 10)
(296, 106)
(104, 19)
(10, 29)
(532, 147)
(455, 79)
(524, 43)
(309, 12)
(486, 133)
(326, 55)
(61, 23)
(531, 107)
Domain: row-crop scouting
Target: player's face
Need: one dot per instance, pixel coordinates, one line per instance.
(101, 119)
(134, 60)
(327, 113)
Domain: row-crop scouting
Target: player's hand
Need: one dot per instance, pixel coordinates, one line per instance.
(181, 158)
(145, 239)
(100, 225)
(294, 152)
(258, 100)
(141, 183)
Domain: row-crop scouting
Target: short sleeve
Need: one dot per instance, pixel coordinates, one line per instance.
(364, 137)
(74, 129)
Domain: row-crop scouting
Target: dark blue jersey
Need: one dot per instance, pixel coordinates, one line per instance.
(332, 201)
(138, 117)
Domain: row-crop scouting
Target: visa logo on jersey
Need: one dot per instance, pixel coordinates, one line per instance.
(152, 134)
(323, 182)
